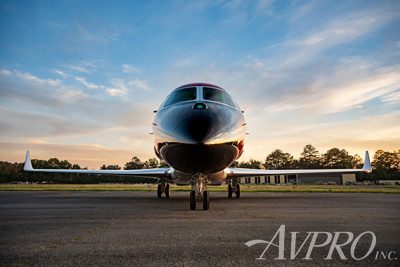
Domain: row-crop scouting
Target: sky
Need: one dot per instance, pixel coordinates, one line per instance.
(79, 80)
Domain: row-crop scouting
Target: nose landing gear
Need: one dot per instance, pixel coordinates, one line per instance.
(199, 191)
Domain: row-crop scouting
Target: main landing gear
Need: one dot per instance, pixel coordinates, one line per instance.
(199, 191)
(234, 187)
(163, 188)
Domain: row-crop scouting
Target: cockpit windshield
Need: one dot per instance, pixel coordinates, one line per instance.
(216, 95)
(181, 95)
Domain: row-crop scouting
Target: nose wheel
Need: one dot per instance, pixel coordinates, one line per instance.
(199, 191)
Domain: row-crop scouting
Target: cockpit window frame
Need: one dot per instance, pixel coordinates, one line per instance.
(196, 94)
(231, 102)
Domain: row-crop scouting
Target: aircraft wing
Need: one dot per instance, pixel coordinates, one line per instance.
(243, 172)
(150, 173)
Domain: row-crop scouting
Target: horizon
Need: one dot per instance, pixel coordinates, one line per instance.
(320, 154)
(79, 80)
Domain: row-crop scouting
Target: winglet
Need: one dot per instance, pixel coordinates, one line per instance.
(28, 163)
(367, 162)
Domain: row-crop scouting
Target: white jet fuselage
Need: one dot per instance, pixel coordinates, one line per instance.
(199, 129)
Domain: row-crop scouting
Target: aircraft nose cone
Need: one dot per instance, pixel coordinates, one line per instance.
(187, 124)
(198, 128)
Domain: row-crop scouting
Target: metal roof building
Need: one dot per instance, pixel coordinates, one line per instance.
(309, 179)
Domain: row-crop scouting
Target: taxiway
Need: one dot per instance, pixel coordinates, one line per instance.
(136, 228)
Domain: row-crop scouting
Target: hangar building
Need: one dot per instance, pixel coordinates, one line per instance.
(310, 179)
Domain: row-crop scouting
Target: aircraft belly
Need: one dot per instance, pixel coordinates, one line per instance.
(181, 178)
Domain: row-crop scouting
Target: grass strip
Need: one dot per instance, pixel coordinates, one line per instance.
(244, 188)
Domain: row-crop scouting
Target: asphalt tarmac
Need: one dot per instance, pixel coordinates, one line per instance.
(136, 228)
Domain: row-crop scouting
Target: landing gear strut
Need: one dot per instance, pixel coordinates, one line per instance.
(199, 191)
(163, 188)
(234, 187)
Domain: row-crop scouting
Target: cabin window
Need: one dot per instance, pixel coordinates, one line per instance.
(182, 95)
(216, 95)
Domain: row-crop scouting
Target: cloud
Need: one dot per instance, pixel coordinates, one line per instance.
(126, 68)
(115, 92)
(70, 95)
(345, 90)
(28, 88)
(316, 90)
(85, 83)
(139, 84)
(15, 123)
(5, 72)
(33, 79)
(342, 31)
(120, 87)
(301, 11)
(79, 68)
(393, 98)
(56, 115)
(84, 66)
(61, 73)
(339, 30)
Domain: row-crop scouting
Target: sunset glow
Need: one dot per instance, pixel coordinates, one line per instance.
(79, 80)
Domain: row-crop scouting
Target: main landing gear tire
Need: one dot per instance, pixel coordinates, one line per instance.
(206, 200)
(192, 200)
(230, 191)
(159, 191)
(167, 191)
(163, 188)
(237, 191)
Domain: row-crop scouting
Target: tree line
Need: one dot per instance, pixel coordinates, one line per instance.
(385, 166)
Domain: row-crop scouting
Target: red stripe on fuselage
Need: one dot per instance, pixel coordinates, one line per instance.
(200, 84)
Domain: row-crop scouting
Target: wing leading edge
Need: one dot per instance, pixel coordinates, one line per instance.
(150, 173)
(242, 172)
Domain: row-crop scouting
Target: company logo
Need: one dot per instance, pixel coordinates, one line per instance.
(338, 242)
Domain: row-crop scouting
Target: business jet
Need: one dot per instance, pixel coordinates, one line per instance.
(199, 131)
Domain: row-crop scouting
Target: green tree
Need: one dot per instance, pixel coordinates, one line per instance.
(76, 167)
(134, 164)
(357, 162)
(54, 163)
(278, 160)
(386, 165)
(151, 163)
(110, 167)
(336, 158)
(251, 164)
(310, 158)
